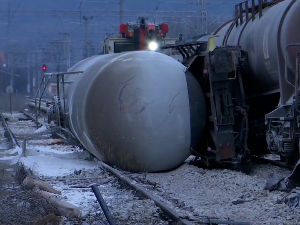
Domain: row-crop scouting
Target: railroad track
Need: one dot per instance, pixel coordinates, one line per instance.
(82, 184)
(131, 202)
(168, 205)
(7, 140)
(131, 198)
(42, 105)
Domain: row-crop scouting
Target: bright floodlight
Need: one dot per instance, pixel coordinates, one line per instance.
(153, 46)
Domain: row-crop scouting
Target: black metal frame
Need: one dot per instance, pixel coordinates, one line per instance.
(187, 50)
(57, 104)
(226, 120)
(283, 131)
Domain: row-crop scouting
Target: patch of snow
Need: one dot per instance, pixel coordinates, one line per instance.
(14, 115)
(42, 128)
(272, 157)
(53, 166)
(84, 200)
(10, 157)
(53, 150)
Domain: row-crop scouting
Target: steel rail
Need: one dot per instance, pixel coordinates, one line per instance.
(169, 211)
(10, 135)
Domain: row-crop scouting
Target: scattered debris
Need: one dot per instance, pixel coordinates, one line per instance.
(276, 182)
(280, 183)
(30, 183)
(64, 208)
(293, 180)
(292, 199)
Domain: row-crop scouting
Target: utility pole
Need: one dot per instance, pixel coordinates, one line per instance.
(38, 71)
(86, 19)
(10, 60)
(121, 11)
(34, 78)
(9, 18)
(28, 74)
(155, 14)
(66, 49)
(203, 17)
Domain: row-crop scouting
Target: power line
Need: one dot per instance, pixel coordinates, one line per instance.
(73, 13)
(121, 11)
(86, 20)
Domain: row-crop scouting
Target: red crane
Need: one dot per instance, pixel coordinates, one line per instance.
(144, 34)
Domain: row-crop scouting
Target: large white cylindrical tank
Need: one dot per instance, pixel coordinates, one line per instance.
(134, 110)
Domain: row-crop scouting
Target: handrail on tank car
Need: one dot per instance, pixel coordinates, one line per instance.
(253, 9)
(37, 92)
(285, 61)
(297, 82)
(45, 85)
(62, 75)
(239, 15)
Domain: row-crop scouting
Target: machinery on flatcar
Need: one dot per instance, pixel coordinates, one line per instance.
(140, 35)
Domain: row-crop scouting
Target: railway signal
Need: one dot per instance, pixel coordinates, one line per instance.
(44, 68)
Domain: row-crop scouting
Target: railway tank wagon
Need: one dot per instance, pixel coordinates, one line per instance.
(248, 74)
(134, 110)
(267, 31)
(264, 35)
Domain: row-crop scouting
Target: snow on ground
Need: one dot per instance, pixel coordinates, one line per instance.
(10, 157)
(54, 162)
(191, 191)
(72, 170)
(22, 127)
(41, 129)
(14, 115)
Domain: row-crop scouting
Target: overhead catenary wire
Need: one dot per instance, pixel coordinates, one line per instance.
(104, 22)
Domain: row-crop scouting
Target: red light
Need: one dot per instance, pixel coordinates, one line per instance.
(44, 68)
(130, 34)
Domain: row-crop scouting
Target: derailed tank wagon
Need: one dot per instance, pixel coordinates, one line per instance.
(235, 94)
(133, 109)
(268, 33)
(268, 73)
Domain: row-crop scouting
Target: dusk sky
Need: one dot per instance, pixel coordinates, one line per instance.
(30, 25)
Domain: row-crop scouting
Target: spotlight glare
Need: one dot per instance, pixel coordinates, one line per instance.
(153, 46)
